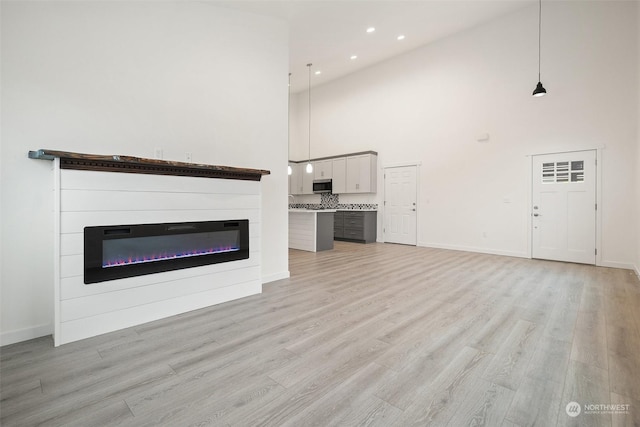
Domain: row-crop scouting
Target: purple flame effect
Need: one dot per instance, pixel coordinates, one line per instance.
(165, 256)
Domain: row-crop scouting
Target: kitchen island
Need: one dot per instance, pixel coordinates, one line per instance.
(311, 229)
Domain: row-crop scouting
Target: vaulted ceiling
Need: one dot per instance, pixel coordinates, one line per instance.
(328, 33)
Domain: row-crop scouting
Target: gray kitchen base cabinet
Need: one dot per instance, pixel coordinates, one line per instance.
(355, 226)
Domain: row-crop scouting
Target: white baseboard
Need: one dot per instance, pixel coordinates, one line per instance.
(611, 264)
(621, 265)
(277, 276)
(25, 334)
(473, 249)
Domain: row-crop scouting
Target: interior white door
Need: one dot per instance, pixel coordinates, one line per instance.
(564, 207)
(400, 198)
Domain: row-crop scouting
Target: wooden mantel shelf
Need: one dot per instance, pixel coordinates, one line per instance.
(129, 164)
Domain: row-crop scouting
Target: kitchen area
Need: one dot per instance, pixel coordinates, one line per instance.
(315, 224)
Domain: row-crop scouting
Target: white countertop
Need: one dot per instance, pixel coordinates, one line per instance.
(331, 210)
(313, 210)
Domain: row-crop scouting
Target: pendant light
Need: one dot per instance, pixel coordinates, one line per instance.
(309, 168)
(289, 170)
(539, 90)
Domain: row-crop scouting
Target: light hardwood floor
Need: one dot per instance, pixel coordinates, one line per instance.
(372, 334)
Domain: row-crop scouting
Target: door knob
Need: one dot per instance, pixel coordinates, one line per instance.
(414, 209)
(536, 214)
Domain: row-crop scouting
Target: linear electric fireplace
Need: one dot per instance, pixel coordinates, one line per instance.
(116, 252)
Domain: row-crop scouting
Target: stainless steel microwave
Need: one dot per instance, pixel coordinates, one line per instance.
(322, 186)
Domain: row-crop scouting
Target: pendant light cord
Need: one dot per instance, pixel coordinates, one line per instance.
(539, 35)
(289, 120)
(309, 66)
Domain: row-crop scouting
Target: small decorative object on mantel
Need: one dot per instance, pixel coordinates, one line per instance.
(129, 164)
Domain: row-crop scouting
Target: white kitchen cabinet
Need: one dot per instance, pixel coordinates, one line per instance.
(355, 173)
(292, 178)
(323, 169)
(300, 182)
(339, 175)
(307, 180)
(295, 179)
(361, 173)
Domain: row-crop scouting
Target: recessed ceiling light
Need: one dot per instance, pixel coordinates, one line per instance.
(401, 37)
(318, 72)
(370, 30)
(354, 56)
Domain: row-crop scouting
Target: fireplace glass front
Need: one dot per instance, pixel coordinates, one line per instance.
(116, 252)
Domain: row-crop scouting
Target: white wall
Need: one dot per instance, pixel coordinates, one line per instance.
(124, 78)
(430, 105)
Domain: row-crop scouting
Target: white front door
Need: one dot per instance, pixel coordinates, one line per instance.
(564, 207)
(400, 199)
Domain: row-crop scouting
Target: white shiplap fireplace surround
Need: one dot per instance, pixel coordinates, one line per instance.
(93, 190)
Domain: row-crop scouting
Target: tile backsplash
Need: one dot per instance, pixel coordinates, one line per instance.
(329, 200)
(332, 201)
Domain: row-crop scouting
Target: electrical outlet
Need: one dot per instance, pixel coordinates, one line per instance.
(157, 153)
(187, 156)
